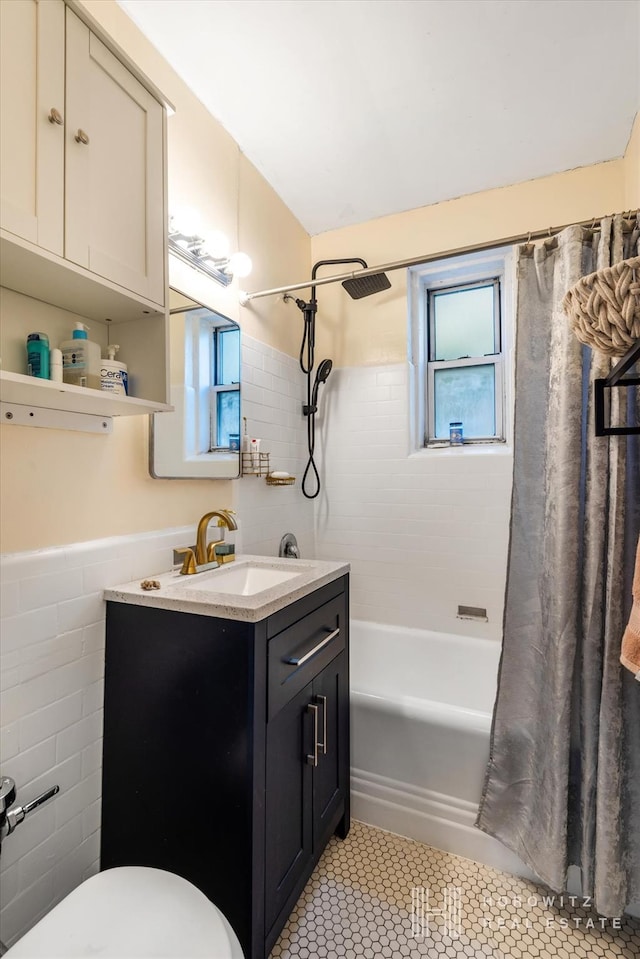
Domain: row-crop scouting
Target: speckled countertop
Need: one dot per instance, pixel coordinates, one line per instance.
(198, 593)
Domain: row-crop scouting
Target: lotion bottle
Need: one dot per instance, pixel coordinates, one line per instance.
(113, 374)
(81, 359)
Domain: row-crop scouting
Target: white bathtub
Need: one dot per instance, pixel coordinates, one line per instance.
(421, 706)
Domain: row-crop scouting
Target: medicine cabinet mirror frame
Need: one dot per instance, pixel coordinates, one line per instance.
(192, 442)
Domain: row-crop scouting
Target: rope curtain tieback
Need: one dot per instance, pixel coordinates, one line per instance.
(604, 308)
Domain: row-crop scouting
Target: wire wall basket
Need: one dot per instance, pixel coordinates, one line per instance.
(254, 464)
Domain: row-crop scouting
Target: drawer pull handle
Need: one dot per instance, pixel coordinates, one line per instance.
(323, 745)
(298, 661)
(55, 117)
(81, 137)
(312, 758)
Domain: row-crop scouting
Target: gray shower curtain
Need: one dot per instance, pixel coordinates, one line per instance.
(563, 780)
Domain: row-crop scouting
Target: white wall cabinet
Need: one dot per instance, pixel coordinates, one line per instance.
(82, 188)
(32, 146)
(113, 168)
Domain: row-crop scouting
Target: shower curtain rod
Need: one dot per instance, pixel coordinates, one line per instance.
(429, 258)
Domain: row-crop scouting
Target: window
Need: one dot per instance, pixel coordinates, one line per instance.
(212, 368)
(225, 391)
(458, 347)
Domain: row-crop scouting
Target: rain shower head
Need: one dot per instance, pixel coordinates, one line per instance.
(359, 286)
(356, 286)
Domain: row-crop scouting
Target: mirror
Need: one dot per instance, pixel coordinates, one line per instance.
(200, 439)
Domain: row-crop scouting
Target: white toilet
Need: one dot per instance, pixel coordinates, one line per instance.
(131, 912)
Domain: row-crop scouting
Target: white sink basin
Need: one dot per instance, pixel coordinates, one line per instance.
(243, 581)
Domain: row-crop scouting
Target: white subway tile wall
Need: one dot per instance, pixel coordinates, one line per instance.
(52, 630)
(424, 530)
(273, 391)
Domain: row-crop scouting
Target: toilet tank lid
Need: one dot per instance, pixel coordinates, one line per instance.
(131, 911)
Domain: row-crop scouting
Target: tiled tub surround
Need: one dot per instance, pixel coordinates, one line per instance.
(273, 391)
(424, 531)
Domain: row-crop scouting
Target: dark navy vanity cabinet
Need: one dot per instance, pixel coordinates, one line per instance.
(226, 751)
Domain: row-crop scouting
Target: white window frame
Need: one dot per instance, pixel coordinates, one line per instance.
(215, 388)
(462, 272)
(200, 360)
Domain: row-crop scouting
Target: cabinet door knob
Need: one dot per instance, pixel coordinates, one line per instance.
(312, 758)
(81, 137)
(55, 116)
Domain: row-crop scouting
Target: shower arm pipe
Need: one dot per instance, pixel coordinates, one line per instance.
(331, 279)
(430, 257)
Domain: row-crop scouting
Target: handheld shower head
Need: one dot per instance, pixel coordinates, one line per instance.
(323, 371)
(322, 376)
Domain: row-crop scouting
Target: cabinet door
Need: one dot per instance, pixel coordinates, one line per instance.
(290, 739)
(114, 193)
(330, 776)
(32, 147)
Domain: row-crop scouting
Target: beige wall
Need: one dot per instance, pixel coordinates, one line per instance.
(632, 168)
(374, 330)
(61, 487)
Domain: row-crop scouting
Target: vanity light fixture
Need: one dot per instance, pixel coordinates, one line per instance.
(209, 254)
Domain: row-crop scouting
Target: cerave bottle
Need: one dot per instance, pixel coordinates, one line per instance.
(81, 359)
(113, 374)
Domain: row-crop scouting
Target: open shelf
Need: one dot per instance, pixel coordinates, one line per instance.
(31, 391)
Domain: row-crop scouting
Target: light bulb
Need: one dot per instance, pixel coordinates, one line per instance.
(239, 265)
(188, 221)
(216, 245)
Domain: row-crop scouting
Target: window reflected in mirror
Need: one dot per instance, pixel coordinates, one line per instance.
(201, 438)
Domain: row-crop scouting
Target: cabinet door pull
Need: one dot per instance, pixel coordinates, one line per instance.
(298, 661)
(81, 137)
(323, 702)
(312, 758)
(55, 116)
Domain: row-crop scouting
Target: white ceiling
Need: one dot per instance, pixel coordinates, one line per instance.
(353, 109)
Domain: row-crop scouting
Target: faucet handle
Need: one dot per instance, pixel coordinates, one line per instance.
(189, 561)
(211, 550)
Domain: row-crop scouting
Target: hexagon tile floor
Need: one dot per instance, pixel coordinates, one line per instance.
(377, 894)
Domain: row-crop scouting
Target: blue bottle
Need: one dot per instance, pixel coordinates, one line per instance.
(455, 434)
(38, 355)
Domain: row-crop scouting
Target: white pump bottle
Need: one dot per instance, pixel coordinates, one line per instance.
(81, 359)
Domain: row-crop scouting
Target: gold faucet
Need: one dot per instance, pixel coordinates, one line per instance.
(207, 553)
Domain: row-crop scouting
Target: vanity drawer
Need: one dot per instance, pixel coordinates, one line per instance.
(299, 653)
